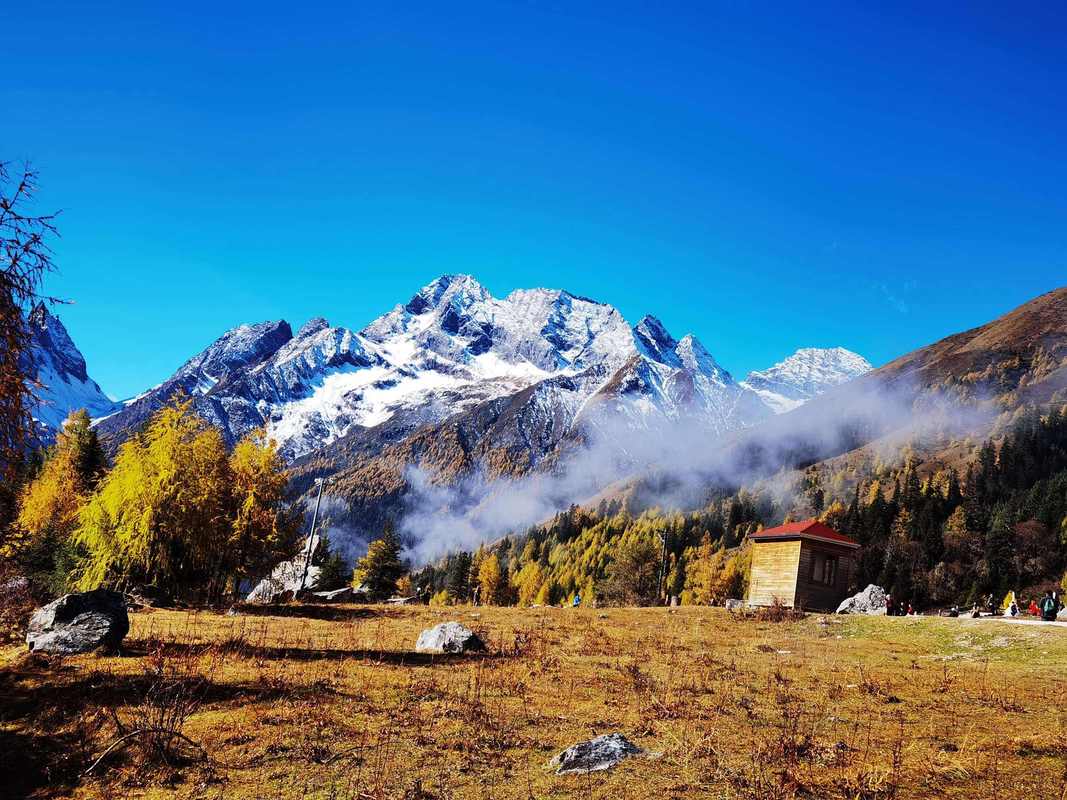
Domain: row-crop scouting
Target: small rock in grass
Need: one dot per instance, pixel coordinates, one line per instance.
(449, 637)
(603, 752)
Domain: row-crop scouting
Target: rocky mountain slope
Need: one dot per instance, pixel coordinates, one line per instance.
(1020, 357)
(61, 381)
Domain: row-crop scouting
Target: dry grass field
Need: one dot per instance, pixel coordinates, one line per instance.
(331, 702)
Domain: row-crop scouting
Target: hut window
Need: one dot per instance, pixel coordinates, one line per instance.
(823, 569)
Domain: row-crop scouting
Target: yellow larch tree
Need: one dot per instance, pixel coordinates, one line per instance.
(490, 579)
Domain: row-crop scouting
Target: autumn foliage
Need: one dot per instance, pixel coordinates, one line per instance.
(177, 510)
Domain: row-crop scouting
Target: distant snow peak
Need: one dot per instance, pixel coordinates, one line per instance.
(807, 373)
(696, 357)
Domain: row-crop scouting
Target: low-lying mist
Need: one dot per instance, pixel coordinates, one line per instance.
(688, 460)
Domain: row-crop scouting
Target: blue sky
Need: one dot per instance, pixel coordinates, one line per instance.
(764, 178)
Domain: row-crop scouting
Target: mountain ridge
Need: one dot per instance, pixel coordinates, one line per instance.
(451, 346)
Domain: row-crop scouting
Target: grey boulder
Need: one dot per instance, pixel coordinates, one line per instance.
(870, 601)
(449, 637)
(734, 605)
(285, 582)
(603, 752)
(79, 623)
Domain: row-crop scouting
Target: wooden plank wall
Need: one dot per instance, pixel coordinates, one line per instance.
(817, 596)
(773, 573)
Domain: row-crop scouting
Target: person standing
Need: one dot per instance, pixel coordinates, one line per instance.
(889, 605)
(1049, 607)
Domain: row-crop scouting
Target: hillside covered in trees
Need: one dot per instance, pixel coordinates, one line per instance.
(930, 532)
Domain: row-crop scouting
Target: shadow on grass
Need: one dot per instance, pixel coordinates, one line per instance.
(400, 658)
(310, 611)
(39, 693)
(49, 715)
(30, 762)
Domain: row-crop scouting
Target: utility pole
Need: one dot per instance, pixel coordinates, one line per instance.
(311, 536)
(662, 564)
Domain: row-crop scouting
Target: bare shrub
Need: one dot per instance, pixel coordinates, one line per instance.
(776, 612)
(149, 730)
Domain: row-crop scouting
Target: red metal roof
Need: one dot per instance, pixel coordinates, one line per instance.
(808, 529)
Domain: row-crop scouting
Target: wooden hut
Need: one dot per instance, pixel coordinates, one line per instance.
(802, 565)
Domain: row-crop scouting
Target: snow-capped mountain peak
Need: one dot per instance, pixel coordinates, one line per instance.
(62, 381)
(807, 373)
(239, 348)
(460, 291)
(655, 342)
(695, 356)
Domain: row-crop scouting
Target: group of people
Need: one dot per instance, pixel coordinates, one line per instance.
(1047, 607)
(902, 608)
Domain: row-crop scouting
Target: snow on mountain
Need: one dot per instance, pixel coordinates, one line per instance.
(806, 374)
(454, 346)
(451, 348)
(63, 384)
(676, 381)
(534, 332)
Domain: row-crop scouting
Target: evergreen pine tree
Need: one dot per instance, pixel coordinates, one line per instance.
(998, 552)
(381, 567)
(333, 569)
(459, 574)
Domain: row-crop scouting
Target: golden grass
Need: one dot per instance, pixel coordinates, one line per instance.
(341, 707)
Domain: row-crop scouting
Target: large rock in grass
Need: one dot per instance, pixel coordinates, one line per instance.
(870, 601)
(603, 752)
(449, 637)
(284, 582)
(79, 623)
